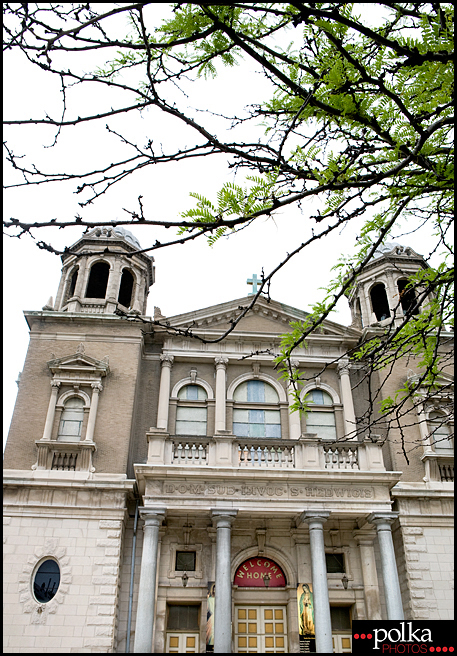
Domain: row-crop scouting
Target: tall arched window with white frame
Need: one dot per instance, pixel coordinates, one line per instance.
(321, 418)
(440, 432)
(191, 413)
(256, 410)
(71, 421)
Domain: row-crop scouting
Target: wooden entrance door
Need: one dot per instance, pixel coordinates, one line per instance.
(342, 643)
(260, 630)
(182, 643)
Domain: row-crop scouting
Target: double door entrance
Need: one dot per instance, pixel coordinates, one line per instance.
(260, 630)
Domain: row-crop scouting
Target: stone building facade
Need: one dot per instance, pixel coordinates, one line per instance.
(159, 496)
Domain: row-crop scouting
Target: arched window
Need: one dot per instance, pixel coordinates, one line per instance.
(126, 288)
(379, 302)
(407, 297)
(249, 420)
(321, 419)
(191, 412)
(98, 280)
(440, 434)
(72, 420)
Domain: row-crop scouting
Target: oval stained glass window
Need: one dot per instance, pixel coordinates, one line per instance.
(46, 581)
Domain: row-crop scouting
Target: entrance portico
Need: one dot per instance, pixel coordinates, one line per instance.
(295, 522)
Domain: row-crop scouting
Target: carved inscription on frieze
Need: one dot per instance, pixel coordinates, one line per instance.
(284, 491)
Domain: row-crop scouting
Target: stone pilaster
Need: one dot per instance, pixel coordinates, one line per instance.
(164, 391)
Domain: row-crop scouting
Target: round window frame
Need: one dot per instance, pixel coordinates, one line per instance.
(39, 564)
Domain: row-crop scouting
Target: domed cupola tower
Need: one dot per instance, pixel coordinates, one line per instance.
(102, 273)
(380, 295)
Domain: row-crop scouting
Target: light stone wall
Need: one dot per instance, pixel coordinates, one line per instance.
(81, 618)
(428, 579)
(124, 589)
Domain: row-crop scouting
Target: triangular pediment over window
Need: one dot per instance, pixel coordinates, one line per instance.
(80, 365)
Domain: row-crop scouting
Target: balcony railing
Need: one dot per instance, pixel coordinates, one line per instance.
(341, 457)
(256, 455)
(235, 452)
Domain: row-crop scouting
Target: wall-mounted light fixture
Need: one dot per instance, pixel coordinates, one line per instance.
(266, 580)
(184, 579)
(345, 581)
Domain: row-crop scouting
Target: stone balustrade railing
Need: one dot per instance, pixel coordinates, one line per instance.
(225, 450)
(341, 457)
(189, 452)
(265, 455)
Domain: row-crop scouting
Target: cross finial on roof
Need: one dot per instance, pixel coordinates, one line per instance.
(254, 281)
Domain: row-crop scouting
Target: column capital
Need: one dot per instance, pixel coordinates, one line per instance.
(97, 387)
(55, 384)
(221, 362)
(364, 536)
(319, 516)
(343, 367)
(383, 520)
(167, 360)
(152, 516)
(223, 518)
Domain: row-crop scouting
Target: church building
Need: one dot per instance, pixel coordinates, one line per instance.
(159, 497)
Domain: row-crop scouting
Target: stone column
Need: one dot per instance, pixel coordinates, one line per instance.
(164, 391)
(322, 622)
(294, 417)
(223, 592)
(383, 521)
(96, 389)
(146, 593)
(47, 433)
(221, 366)
(370, 578)
(346, 398)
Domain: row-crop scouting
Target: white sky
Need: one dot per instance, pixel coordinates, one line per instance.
(189, 276)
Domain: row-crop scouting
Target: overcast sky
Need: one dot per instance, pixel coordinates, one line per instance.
(189, 276)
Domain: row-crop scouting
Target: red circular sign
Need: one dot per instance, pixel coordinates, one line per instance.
(259, 573)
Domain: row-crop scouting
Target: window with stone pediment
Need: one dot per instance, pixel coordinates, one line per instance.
(321, 419)
(440, 432)
(251, 420)
(191, 413)
(71, 421)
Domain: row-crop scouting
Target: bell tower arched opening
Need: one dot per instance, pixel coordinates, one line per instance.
(407, 297)
(379, 302)
(126, 289)
(98, 280)
(72, 284)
